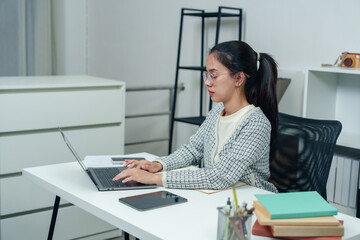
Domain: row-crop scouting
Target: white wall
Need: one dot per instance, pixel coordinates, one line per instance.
(136, 41)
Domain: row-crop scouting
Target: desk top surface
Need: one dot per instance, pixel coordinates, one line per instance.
(195, 219)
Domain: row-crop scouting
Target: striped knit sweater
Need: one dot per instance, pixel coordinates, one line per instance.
(246, 152)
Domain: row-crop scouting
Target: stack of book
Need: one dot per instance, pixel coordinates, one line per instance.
(297, 215)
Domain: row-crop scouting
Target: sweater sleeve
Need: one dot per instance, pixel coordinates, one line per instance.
(193, 152)
(249, 144)
(187, 154)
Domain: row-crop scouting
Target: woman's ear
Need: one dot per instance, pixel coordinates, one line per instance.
(239, 79)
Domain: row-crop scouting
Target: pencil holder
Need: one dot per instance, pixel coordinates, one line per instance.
(233, 226)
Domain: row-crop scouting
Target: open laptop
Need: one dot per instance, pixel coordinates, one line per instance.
(102, 176)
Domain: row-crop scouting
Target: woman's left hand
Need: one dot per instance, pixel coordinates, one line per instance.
(138, 175)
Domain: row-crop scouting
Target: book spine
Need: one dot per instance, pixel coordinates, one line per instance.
(259, 207)
(304, 214)
(299, 231)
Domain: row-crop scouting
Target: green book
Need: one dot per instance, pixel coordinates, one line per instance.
(296, 205)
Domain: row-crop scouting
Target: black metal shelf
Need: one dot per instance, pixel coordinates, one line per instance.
(213, 14)
(198, 120)
(193, 68)
(191, 120)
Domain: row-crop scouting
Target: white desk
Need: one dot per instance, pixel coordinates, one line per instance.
(196, 219)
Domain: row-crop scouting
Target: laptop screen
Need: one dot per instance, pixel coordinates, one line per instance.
(72, 150)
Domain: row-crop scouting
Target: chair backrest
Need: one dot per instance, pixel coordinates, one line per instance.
(281, 85)
(305, 149)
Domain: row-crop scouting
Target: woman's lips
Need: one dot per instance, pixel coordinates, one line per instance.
(211, 93)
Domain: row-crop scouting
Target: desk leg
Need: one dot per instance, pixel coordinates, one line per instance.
(358, 203)
(53, 221)
(126, 236)
(53, 218)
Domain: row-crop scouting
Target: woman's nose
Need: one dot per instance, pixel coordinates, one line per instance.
(207, 83)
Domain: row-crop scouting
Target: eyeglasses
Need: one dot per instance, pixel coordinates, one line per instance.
(208, 76)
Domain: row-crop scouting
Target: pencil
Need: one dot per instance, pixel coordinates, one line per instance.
(235, 198)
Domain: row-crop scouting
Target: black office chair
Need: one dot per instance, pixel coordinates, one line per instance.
(305, 149)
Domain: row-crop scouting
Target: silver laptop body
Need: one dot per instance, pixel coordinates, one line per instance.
(102, 176)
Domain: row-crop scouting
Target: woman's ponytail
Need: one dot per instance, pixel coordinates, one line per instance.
(266, 95)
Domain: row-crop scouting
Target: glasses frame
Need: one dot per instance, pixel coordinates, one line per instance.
(208, 76)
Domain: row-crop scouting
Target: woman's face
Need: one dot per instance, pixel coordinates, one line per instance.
(223, 87)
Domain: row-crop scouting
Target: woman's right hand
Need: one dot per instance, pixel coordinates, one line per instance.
(144, 165)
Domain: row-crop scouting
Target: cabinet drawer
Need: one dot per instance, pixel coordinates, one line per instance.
(50, 108)
(18, 151)
(72, 222)
(19, 195)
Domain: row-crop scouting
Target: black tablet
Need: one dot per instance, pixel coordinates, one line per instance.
(153, 200)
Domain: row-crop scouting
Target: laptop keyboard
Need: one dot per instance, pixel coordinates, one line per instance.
(105, 176)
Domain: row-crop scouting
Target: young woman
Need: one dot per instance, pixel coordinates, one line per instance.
(237, 138)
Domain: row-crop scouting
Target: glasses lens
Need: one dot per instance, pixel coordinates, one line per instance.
(204, 76)
(207, 76)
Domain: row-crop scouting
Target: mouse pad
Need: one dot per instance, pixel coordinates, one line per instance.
(153, 200)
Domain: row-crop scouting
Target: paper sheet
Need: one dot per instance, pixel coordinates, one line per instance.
(105, 160)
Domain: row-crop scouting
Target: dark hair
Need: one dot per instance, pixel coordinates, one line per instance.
(260, 85)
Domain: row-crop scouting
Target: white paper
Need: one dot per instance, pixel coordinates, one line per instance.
(105, 160)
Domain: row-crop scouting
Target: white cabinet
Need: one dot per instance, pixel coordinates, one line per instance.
(91, 112)
(334, 93)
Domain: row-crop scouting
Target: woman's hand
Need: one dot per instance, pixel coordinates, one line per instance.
(144, 165)
(138, 175)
